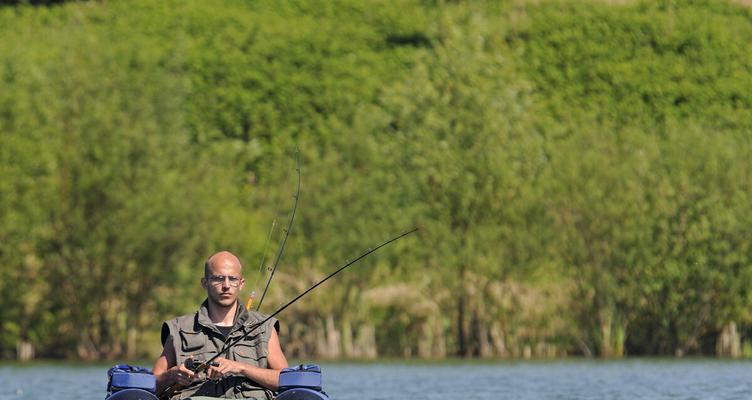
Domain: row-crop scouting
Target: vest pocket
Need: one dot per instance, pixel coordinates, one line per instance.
(250, 353)
(191, 341)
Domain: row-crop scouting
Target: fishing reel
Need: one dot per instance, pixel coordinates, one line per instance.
(198, 367)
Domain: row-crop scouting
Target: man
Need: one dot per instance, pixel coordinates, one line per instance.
(250, 369)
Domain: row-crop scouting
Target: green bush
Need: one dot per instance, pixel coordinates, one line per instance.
(579, 171)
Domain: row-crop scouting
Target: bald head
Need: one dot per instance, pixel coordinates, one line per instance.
(221, 259)
(222, 280)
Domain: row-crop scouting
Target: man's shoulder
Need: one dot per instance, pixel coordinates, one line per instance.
(183, 322)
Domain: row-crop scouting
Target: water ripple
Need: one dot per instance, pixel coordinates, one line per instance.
(561, 380)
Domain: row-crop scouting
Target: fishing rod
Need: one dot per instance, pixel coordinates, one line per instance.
(203, 366)
(287, 231)
(252, 296)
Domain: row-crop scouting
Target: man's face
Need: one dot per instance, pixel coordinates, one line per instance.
(223, 282)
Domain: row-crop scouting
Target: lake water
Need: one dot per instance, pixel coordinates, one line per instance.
(570, 379)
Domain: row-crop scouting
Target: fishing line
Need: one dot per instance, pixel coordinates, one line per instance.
(252, 296)
(287, 231)
(255, 326)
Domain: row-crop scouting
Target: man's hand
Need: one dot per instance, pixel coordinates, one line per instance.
(179, 375)
(168, 374)
(225, 367)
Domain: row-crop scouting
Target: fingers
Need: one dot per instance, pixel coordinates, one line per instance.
(219, 371)
(216, 373)
(182, 375)
(185, 371)
(224, 368)
(213, 373)
(181, 380)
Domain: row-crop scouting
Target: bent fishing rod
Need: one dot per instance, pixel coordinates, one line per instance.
(205, 364)
(287, 232)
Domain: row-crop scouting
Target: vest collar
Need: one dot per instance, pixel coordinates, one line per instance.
(202, 316)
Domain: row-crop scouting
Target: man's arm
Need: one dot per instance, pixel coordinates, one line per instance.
(266, 377)
(167, 373)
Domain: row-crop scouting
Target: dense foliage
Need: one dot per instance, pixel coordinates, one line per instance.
(581, 173)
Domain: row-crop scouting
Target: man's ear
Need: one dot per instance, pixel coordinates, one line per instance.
(242, 282)
(203, 282)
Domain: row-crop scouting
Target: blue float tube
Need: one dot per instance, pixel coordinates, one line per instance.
(132, 394)
(127, 382)
(302, 394)
(301, 383)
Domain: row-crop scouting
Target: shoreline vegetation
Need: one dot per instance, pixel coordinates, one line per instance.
(581, 172)
(413, 361)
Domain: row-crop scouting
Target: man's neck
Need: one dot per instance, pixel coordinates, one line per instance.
(222, 316)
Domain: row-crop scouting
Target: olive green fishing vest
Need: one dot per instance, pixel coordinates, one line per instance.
(195, 335)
